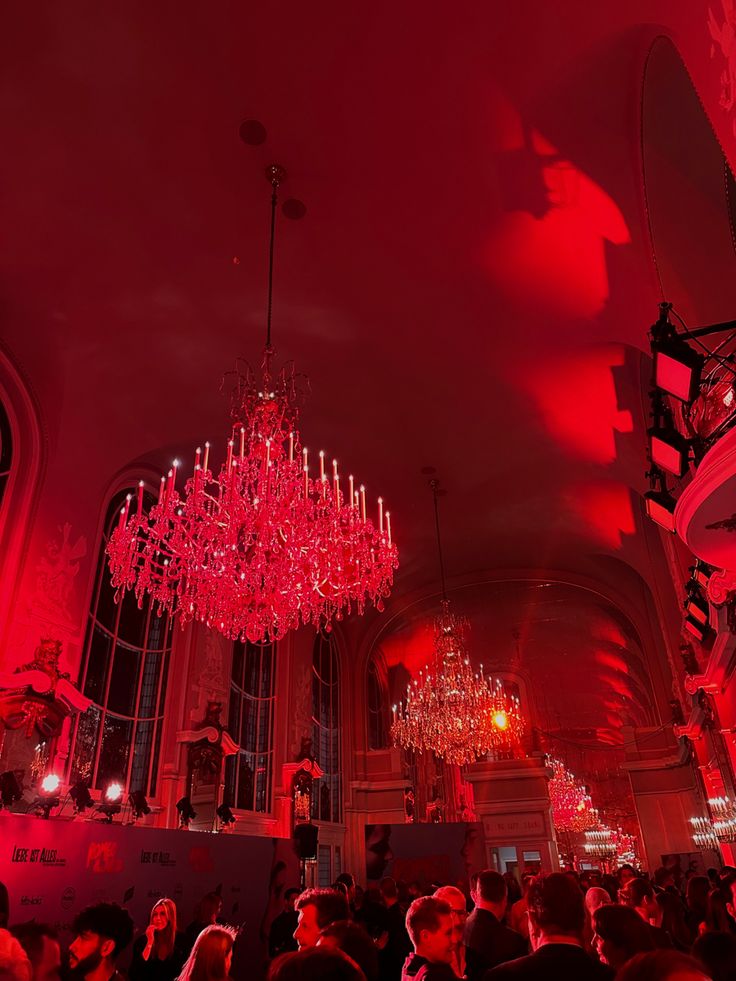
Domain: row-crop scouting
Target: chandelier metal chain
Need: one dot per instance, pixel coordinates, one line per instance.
(451, 710)
(264, 546)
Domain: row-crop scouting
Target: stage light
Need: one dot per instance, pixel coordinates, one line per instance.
(81, 796)
(696, 628)
(50, 783)
(501, 720)
(677, 368)
(49, 798)
(11, 787)
(697, 608)
(660, 507)
(113, 792)
(701, 573)
(139, 804)
(225, 815)
(669, 450)
(186, 812)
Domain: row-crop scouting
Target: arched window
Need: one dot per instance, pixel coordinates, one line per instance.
(327, 801)
(6, 451)
(377, 705)
(124, 671)
(248, 774)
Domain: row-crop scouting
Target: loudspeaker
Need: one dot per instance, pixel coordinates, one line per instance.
(305, 838)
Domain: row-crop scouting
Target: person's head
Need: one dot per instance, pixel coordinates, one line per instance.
(555, 906)
(455, 899)
(717, 953)
(211, 956)
(14, 962)
(626, 874)
(163, 921)
(41, 944)
(315, 964)
(346, 879)
(716, 914)
(596, 897)
(317, 909)
(352, 939)
(696, 895)
(619, 933)
(378, 854)
(290, 898)
(728, 887)
(662, 965)
(431, 931)
(640, 894)
(210, 907)
(664, 878)
(490, 892)
(100, 933)
(389, 891)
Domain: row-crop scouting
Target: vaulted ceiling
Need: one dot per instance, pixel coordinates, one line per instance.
(470, 288)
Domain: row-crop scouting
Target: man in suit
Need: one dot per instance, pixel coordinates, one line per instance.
(487, 941)
(556, 919)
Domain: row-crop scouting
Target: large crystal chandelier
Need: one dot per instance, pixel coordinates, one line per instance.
(572, 807)
(271, 541)
(451, 710)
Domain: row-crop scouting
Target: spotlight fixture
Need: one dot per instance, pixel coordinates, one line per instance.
(186, 812)
(11, 787)
(669, 450)
(660, 505)
(81, 797)
(139, 804)
(225, 815)
(697, 607)
(700, 573)
(112, 805)
(677, 367)
(49, 796)
(695, 627)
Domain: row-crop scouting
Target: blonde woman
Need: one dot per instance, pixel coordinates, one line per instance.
(156, 953)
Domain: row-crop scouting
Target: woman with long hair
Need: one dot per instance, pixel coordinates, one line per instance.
(156, 954)
(211, 956)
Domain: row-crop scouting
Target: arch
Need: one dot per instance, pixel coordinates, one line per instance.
(22, 483)
(124, 668)
(326, 727)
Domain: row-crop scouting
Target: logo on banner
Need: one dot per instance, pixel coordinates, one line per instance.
(31, 900)
(38, 856)
(102, 856)
(68, 897)
(157, 858)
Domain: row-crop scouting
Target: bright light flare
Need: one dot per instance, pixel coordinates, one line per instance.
(50, 783)
(113, 792)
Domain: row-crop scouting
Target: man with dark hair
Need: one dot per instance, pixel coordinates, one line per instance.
(556, 919)
(317, 908)
(430, 925)
(487, 941)
(101, 932)
(281, 932)
(40, 941)
(397, 945)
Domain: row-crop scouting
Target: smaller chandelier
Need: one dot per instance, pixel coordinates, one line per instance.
(703, 834)
(572, 806)
(724, 818)
(451, 710)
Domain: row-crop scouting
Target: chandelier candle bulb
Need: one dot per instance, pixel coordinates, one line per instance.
(362, 501)
(380, 514)
(139, 510)
(352, 491)
(291, 447)
(242, 442)
(322, 465)
(229, 455)
(206, 456)
(388, 526)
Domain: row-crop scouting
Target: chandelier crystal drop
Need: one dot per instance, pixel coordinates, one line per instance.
(458, 714)
(270, 542)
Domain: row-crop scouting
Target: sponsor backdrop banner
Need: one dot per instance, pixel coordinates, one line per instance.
(53, 869)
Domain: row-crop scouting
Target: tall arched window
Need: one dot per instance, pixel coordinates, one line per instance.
(327, 801)
(377, 706)
(6, 451)
(124, 671)
(248, 774)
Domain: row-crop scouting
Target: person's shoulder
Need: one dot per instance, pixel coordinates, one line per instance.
(517, 968)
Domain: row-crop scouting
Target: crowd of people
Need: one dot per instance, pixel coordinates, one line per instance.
(561, 925)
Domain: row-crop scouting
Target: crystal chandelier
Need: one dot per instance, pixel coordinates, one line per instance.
(452, 711)
(572, 807)
(267, 544)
